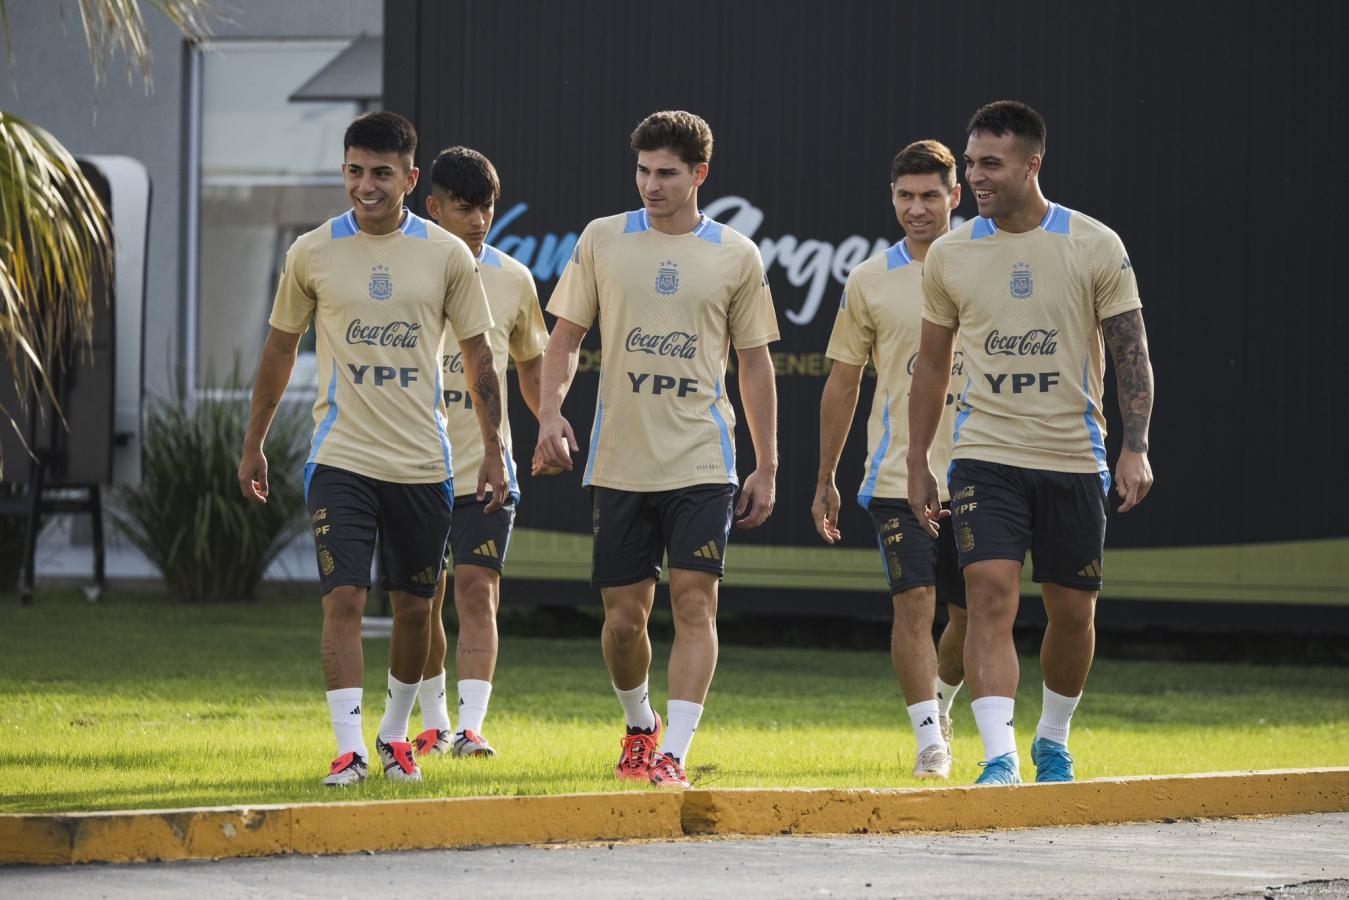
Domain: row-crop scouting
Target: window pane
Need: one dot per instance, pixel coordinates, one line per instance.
(270, 172)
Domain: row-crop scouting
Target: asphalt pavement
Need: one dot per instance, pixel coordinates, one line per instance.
(1276, 858)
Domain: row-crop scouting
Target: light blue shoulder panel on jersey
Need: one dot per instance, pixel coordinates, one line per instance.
(413, 225)
(637, 222)
(344, 226)
(490, 256)
(708, 230)
(983, 228)
(898, 256)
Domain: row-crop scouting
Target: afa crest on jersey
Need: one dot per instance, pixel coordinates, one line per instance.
(667, 278)
(1022, 286)
(381, 283)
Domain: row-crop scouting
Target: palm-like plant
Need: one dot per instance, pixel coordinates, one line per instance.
(54, 232)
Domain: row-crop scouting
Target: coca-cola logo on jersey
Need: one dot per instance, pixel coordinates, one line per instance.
(1036, 342)
(677, 344)
(452, 364)
(391, 334)
(957, 363)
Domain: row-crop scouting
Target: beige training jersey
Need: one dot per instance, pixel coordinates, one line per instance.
(880, 316)
(520, 332)
(670, 307)
(381, 304)
(1029, 308)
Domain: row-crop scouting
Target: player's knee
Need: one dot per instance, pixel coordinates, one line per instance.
(990, 604)
(694, 608)
(914, 610)
(475, 601)
(1073, 617)
(411, 612)
(344, 605)
(625, 622)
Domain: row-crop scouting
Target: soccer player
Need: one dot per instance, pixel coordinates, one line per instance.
(1031, 287)
(464, 192)
(880, 318)
(381, 285)
(673, 290)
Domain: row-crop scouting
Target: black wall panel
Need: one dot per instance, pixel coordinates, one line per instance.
(1206, 136)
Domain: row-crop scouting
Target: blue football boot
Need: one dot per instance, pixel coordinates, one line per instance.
(1052, 761)
(1005, 769)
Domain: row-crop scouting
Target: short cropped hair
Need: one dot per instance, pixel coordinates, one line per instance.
(381, 132)
(682, 132)
(466, 175)
(925, 158)
(1004, 116)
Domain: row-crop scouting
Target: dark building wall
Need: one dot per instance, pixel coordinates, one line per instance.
(1205, 136)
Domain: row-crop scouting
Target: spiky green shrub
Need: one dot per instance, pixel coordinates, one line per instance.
(188, 516)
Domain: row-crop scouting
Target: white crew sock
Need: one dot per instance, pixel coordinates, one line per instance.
(946, 695)
(993, 715)
(473, 697)
(344, 707)
(1056, 716)
(431, 698)
(637, 707)
(397, 710)
(923, 717)
(681, 721)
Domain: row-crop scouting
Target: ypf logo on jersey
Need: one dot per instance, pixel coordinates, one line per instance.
(1022, 286)
(667, 278)
(381, 283)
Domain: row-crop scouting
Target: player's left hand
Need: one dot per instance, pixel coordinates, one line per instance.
(756, 500)
(492, 473)
(1133, 478)
(825, 512)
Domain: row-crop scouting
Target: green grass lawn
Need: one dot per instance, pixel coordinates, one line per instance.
(140, 702)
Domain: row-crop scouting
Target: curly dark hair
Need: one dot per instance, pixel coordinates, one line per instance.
(682, 132)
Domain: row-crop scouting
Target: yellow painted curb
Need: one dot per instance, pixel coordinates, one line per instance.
(218, 833)
(1095, 802)
(155, 835)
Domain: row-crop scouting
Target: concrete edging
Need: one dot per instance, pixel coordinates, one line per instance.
(323, 828)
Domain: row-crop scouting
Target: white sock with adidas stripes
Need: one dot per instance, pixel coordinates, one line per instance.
(926, 728)
(473, 697)
(431, 698)
(344, 707)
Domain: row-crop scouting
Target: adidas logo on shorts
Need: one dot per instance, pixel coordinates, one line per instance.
(1092, 569)
(488, 549)
(708, 551)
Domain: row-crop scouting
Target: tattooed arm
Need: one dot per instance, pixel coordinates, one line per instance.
(274, 367)
(1128, 343)
(480, 370)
